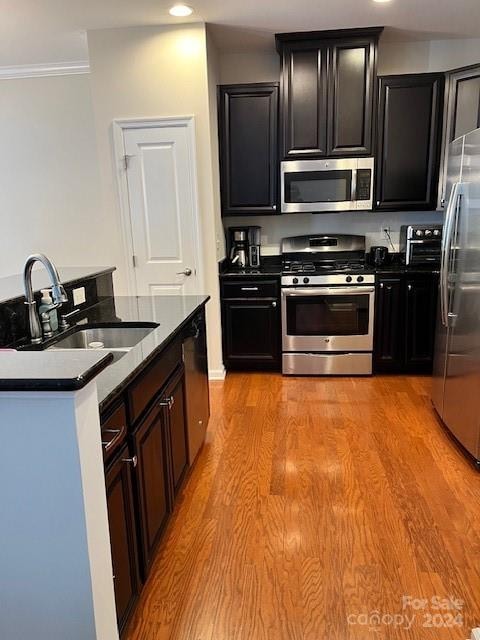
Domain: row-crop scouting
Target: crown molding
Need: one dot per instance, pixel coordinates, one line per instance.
(44, 69)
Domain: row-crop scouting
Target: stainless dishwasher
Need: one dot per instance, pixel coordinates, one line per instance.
(197, 399)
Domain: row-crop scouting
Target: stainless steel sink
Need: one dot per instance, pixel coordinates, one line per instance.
(104, 338)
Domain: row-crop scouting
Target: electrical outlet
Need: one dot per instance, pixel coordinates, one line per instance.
(386, 232)
(79, 296)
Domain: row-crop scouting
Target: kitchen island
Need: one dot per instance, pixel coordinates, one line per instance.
(96, 452)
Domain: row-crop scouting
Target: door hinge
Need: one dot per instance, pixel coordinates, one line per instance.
(126, 161)
(135, 261)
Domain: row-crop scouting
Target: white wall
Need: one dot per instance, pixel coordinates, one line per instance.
(371, 225)
(257, 66)
(427, 56)
(49, 181)
(151, 72)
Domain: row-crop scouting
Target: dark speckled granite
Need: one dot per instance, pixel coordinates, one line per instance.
(171, 312)
(31, 369)
(50, 370)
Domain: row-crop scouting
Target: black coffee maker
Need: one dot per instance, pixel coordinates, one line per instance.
(244, 246)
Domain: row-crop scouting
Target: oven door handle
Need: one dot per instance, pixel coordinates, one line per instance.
(326, 291)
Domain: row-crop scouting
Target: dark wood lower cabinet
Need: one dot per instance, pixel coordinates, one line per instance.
(251, 333)
(123, 537)
(175, 407)
(152, 482)
(145, 441)
(389, 324)
(421, 310)
(405, 316)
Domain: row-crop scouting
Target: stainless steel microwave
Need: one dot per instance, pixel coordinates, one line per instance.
(317, 186)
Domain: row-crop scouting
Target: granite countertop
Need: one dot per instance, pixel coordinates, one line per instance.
(11, 287)
(50, 370)
(171, 312)
(35, 369)
(259, 272)
(271, 266)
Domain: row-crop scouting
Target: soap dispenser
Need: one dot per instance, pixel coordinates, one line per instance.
(46, 304)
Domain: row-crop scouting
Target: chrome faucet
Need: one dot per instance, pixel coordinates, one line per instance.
(58, 293)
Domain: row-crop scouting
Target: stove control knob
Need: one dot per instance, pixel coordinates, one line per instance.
(436, 232)
(428, 232)
(348, 278)
(306, 280)
(419, 233)
(360, 279)
(295, 281)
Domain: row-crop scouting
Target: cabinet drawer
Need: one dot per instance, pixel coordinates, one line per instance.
(151, 381)
(114, 431)
(250, 289)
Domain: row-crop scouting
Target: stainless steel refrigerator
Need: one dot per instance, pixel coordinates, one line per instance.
(456, 381)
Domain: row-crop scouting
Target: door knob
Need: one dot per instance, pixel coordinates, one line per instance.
(185, 272)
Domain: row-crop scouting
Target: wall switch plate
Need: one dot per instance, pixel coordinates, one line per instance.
(79, 296)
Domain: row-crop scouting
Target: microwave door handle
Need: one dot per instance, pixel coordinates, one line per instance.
(353, 196)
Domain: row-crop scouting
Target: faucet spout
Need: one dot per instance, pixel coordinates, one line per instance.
(58, 292)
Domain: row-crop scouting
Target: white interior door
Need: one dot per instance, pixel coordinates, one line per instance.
(163, 208)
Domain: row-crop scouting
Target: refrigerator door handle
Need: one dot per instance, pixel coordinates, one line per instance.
(446, 249)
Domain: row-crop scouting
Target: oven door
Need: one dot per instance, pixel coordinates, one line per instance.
(328, 318)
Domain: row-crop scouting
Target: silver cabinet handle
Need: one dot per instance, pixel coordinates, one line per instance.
(249, 288)
(168, 402)
(381, 285)
(409, 287)
(185, 272)
(133, 461)
(274, 304)
(109, 444)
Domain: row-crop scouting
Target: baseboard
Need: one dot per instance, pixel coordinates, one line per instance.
(216, 374)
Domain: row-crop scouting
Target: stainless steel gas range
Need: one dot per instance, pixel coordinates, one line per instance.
(327, 306)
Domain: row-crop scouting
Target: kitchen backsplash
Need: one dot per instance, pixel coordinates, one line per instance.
(274, 228)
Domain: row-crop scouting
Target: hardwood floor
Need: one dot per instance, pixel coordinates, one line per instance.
(317, 503)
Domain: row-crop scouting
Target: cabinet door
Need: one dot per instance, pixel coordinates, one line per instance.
(248, 148)
(410, 119)
(304, 101)
(420, 323)
(251, 333)
(123, 542)
(150, 446)
(463, 113)
(177, 429)
(351, 98)
(389, 336)
(464, 98)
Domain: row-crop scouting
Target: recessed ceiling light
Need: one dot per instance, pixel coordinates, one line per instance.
(183, 10)
(381, 0)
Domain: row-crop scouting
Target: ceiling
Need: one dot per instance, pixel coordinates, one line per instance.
(39, 31)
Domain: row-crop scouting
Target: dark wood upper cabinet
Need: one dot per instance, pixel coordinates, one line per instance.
(123, 541)
(409, 139)
(327, 99)
(304, 100)
(351, 98)
(248, 124)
